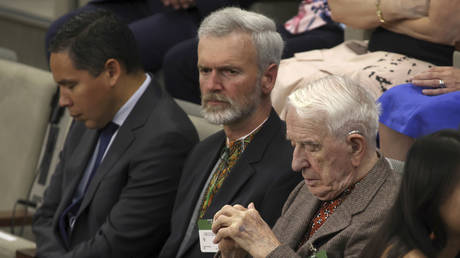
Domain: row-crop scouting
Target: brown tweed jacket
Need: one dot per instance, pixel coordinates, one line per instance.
(349, 228)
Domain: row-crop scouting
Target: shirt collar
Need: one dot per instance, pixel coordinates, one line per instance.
(251, 132)
(126, 109)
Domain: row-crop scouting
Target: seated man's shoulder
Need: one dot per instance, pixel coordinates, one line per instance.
(386, 178)
(383, 198)
(168, 117)
(210, 143)
(297, 196)
(77, 132)
(392, 182)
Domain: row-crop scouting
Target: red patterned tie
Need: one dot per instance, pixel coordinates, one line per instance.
(326, 209)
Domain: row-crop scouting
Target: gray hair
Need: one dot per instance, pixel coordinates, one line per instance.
(344, 106)
(267, 41)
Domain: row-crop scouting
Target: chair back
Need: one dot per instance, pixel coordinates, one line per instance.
(25, 97)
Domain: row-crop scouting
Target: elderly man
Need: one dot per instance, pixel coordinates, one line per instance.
(348, 186)
(113, 190)
(238, 57)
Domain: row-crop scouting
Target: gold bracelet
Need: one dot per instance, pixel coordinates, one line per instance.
(379, 12)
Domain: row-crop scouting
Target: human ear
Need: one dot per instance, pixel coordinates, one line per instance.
(269, 78)
(358, 146)
(112, 70)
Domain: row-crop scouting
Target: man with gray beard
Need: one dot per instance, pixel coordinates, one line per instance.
(249, 160)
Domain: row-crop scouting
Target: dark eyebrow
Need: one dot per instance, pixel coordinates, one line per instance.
(66, 82)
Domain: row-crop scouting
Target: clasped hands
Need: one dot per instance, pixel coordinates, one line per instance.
(241, 230)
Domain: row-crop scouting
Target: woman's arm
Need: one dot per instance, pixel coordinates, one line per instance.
(440, 26)
(363, 13)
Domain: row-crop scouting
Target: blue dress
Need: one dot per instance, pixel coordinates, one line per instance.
(408, 111)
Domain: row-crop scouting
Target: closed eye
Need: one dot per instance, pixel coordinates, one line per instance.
(68, 84)
(311, 146)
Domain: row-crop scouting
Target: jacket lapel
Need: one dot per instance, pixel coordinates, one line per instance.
(232, 185)
(356, 202)
(243, 169)
(240, 173)
(208, 163)
(124, 138)
(301, 217)
(339, 220)
(76, 166)
(198, 181)
(118, 147)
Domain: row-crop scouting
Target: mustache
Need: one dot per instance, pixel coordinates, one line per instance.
(215, 97)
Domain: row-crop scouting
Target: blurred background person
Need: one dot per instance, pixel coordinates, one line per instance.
(409, 111)
(424, 221)
(408, 37)
(157, 25)
(311, 28)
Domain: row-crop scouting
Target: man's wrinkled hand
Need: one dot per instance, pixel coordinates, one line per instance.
(246, 228)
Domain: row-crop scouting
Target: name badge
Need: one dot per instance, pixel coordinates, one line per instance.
(320, 254)
(316, 253)
(206, 236)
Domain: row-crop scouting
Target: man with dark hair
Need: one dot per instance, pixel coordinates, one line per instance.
(112, 192)
(90, 49)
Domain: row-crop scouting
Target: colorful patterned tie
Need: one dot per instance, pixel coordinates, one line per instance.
(230, 156)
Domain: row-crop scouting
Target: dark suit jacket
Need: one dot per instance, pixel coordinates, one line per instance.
(205, 7)
(127, 207)
(262, 175)
(349, 228)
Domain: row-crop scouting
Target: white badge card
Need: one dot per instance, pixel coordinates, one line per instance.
(206, 236)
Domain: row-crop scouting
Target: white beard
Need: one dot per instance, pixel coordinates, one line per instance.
(236, 110)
